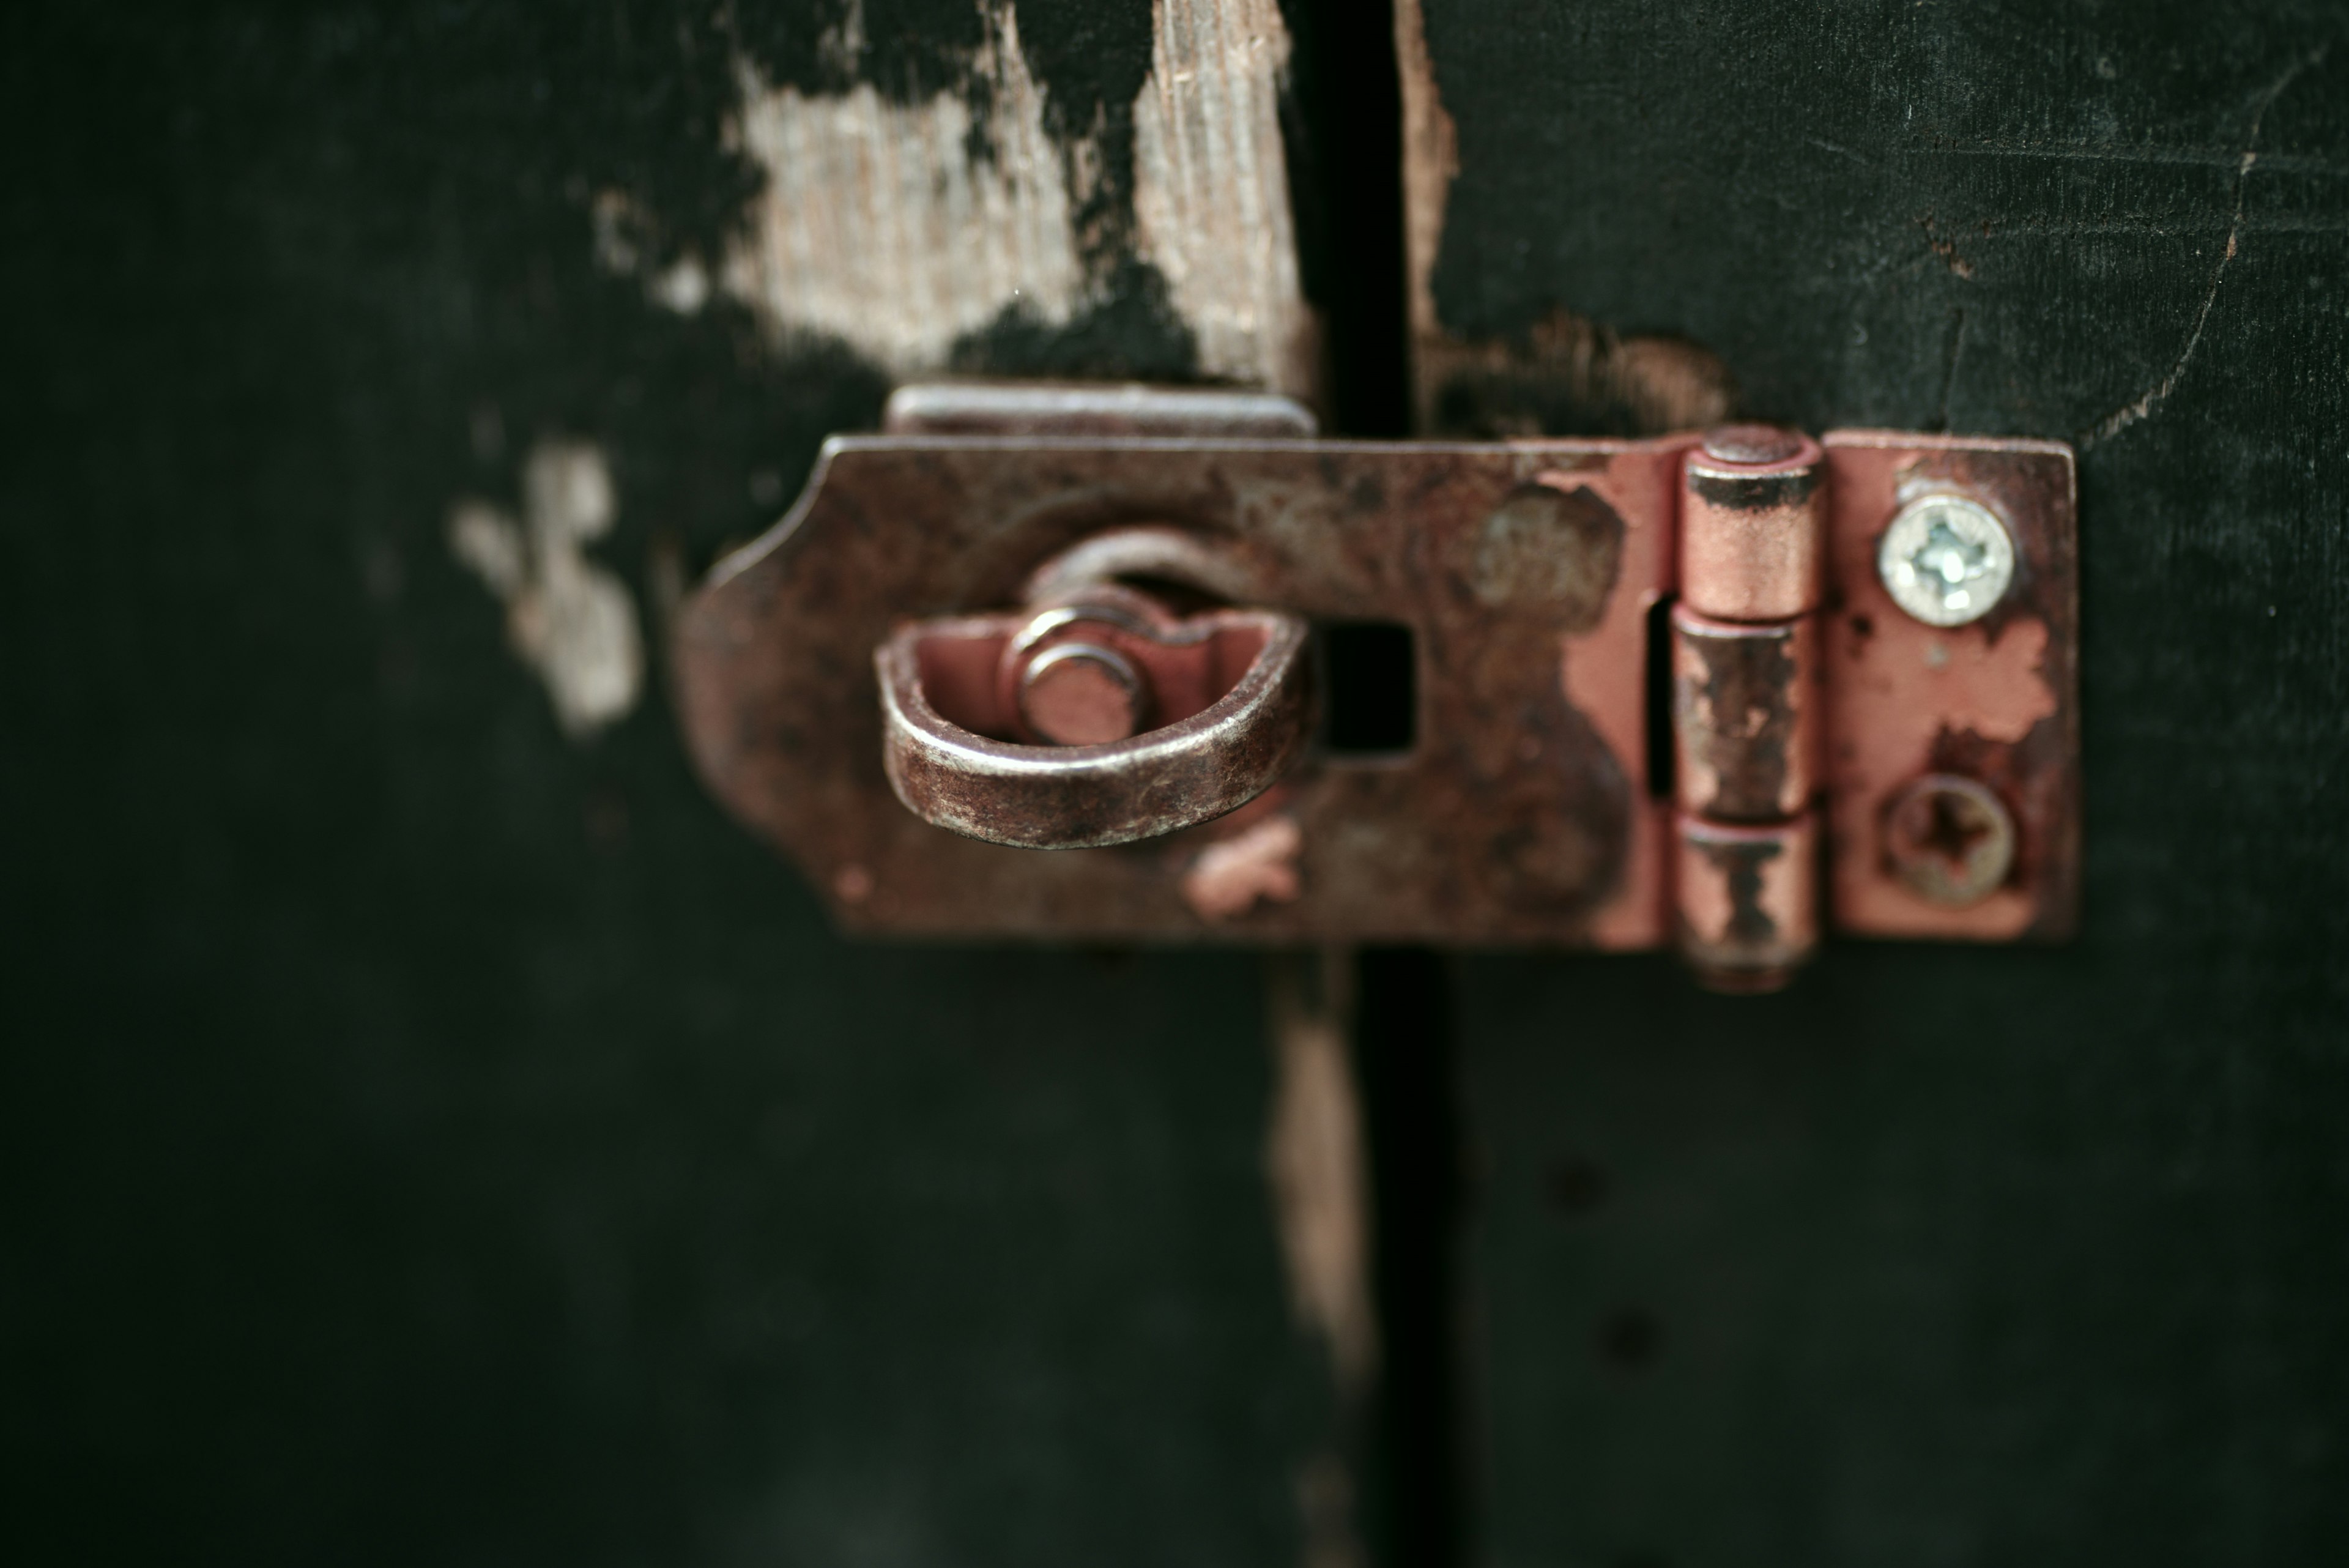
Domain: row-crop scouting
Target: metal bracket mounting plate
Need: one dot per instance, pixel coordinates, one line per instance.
(1524, 812)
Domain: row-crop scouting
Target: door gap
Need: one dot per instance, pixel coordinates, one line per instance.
(1403, 1055)
(1341, 128)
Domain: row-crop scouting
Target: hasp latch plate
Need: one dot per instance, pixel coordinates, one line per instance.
(1087, 590)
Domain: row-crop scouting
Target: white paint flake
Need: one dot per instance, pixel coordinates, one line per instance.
(568, 618)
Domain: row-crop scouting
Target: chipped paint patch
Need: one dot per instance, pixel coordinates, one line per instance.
(879, 227)
(1258, 865)
(568, 618)
(904, 229)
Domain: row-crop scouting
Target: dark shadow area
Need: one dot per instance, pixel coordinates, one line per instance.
(1369, 688)
(1404, 1053)
(1662, 762)
(1342, 128)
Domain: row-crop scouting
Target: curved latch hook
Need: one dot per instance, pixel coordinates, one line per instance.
(1029, 727)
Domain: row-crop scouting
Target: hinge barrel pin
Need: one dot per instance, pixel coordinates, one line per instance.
(1745, 705)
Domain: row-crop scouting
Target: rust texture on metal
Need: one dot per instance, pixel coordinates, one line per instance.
(1523, 573)
(1748, 906)
(1745, 707)
(1750, 531)
(1153, 674)
(1227, 693)
(1746, 716)
(1993, 703)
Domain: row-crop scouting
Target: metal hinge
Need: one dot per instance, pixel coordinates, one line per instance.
(1712, 690)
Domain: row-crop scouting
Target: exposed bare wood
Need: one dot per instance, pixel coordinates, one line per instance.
(1430, 159)
(1313, 1155)
(903, 228)
(878, 226)
(1211, 188)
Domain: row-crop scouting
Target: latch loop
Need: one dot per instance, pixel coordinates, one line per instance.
(1098, 720)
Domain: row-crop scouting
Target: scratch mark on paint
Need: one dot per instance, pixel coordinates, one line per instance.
(568, 618)
(2153, 397)
(1841, 151)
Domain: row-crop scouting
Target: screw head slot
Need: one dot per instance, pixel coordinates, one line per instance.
(1946, 560)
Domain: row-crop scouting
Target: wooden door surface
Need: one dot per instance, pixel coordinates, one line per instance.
(1944, 1255)
(435, 1132)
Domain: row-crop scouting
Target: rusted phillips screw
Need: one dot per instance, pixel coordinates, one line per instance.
(1949, 840)
(1082, 694)
(1946, 560)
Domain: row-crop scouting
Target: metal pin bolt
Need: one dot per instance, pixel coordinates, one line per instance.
(1755, 445)
(1082, 694)
(1949, 840)
(1946, 560)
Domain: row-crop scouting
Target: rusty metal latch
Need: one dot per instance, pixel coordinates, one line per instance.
(1717, 690)
(1128, 722)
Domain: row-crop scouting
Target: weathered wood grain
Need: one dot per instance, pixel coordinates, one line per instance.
(924, 221)
(903, 227)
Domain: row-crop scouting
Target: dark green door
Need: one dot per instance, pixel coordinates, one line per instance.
(1946, 1256)
(435, 1133)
